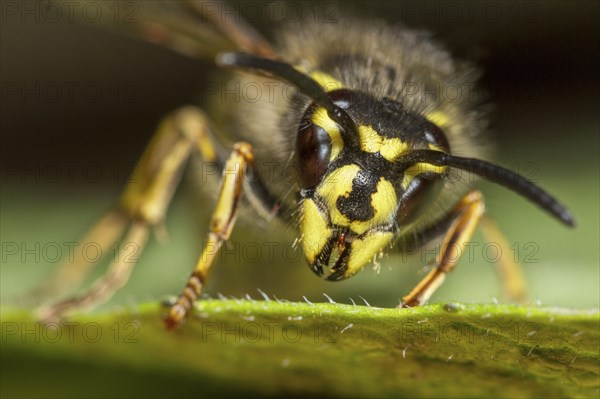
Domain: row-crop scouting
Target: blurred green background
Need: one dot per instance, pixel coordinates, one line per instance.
(64, 162)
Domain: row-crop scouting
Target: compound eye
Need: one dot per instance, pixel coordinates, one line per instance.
(313, 146)
(435, 135)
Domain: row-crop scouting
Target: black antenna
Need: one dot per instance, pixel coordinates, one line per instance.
(304, 83)
(496, 174)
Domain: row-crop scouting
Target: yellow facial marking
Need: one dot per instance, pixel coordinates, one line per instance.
(315, 229)
(321, 118)
(417, 169)
(439, 118)
(339, 184)
(327, 82)
(371, 141)
(363, 251)
(435, 148)
(422, 167)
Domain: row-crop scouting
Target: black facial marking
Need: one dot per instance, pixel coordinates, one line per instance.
(357, 205)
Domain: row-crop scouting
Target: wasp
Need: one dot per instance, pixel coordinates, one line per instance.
(379, 162)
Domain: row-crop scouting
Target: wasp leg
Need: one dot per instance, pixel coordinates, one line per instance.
(72, 271)
(223, 218)
(465, 216)
(144, 203)
(510, 272)
(116, 276)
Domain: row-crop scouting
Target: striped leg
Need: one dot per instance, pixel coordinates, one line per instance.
(221, 224)
(468, 211)
(144, 204)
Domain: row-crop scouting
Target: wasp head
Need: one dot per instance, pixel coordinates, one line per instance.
(357, 188)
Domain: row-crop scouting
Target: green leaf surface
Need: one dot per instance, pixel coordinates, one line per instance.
(272, 348)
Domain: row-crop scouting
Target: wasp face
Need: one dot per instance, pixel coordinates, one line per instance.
(356, 189)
